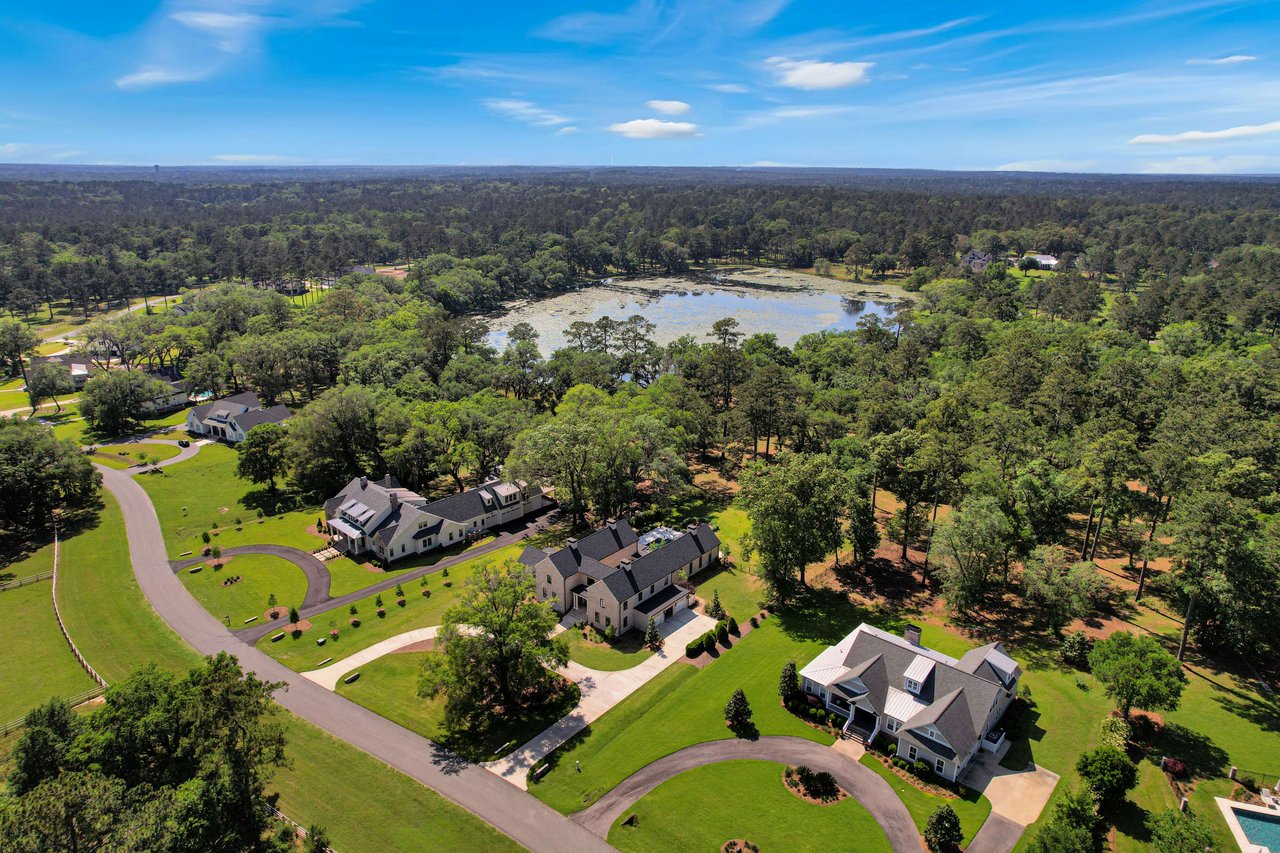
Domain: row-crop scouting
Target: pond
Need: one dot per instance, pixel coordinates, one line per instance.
(787, 304)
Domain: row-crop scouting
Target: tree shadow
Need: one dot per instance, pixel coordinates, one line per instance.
(746, 731)
(879, 578)
(826, 615)
(1129, 819)
(272, 503)
(1021, 723)
(16, 546)
(1204, 758)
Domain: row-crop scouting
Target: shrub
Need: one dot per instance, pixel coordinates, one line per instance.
(709, 641)
(444, 573)
(382, 613)
(378, 601)
(204, 537)
(892, 749)
(819, 785)
(1075, 649)
(293, 616)
(399, 591)
(789, 683)
(1175, 768)
(355, 623)
(353, 610)
(942, 832)
(401, 602)
(693, 649)
(921, 769)
(1109, 774)
(755, 622)
(733, 626)
(722, 634)
(426, 593)
(1114, 732)
(737, 712)
(1175, 832)
(334, 633)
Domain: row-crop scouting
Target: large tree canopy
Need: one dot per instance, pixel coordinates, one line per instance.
(41, 477)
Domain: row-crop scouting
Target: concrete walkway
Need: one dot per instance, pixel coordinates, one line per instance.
(329, 676)
(1017, 799)
(530, 822)
(600, 691)
(318, 578)
(873, 792)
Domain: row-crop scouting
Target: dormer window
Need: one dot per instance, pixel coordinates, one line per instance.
(911, 685)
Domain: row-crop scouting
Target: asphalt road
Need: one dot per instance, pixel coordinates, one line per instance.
(318, 578)
(524, 818)
(868, 788)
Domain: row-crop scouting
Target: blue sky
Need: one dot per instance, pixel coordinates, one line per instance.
(1158, 86)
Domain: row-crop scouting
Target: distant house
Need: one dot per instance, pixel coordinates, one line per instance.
(940, 710)
(618, 579)
(976, 261)
(231, 418)
(80, 367)
(176, 397)
(382, 518)
(1045, 262)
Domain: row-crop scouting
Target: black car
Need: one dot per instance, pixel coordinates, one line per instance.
(182, 442)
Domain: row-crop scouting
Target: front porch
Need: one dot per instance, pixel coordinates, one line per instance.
(861, 724)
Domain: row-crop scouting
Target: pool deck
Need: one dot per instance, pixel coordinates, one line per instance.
(1229, 809)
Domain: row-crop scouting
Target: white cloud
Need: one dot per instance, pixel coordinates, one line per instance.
(567, 131)
(653, 128)
(812, 74)
(525, 111)
(251, 159)
(1226, 60)
(669, 108)
(1244, 131)
(146, 77)
(1048, 165)
(659, 20)
(1230, 165)
(25, 152)
(231, 31)
(729, 88)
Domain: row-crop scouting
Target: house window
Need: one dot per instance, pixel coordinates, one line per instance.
(893, 725)
(626, 604)
(548, 578)
(624, 621)
(651, 589)
(608, 621)
(939, 765)
(911, 753)
(912, 685)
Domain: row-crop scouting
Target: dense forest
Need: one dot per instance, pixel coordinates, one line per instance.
(1131, 399)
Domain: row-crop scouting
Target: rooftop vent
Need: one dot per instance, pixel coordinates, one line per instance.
(911, 634)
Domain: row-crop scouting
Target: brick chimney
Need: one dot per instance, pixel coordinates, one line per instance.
(572, 544)
(394, 499)
(911, 633)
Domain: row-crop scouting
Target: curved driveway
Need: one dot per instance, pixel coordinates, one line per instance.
(525, 819)
(869, 789)
(317, 575)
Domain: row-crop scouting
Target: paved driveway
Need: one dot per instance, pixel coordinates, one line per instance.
(1017, 799)
(600, 692)
(317, 575)
(873, 792)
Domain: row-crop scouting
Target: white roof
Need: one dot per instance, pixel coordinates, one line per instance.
(344, 528)
(919, 669)
(901, 705)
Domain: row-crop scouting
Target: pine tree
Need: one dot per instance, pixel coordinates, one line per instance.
(714, 609)
(293, 616)
(789, 683)
(652, 639)
(737, 713)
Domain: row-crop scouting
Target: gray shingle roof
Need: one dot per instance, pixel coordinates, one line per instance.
(252, 418)
(248, 399)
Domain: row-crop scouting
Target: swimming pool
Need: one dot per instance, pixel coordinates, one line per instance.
(1253, 827)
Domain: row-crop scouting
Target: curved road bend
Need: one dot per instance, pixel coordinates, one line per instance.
(317, 575)
(868, 788)
(525, 819)
(510, 532)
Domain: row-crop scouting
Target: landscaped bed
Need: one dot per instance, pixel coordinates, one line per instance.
(751, 802)
(389, 687)
(972, 808)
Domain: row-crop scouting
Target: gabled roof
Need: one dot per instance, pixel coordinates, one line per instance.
(955, 695)
(242, 401)
(252, 418)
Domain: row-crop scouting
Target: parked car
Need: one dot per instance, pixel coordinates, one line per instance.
(182, 442)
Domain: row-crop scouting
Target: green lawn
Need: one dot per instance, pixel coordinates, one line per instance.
(389, 686)
(112, 623)
(623, 653)
(750, 801)
(204, 495)
(29, 635)
(419, 612)
(261, 576)
(348, 576)
(971, 809)
(681, 707)
(123, 456)
(366, 805)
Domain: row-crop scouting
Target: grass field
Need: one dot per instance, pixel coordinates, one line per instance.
(751, 802)
(123, 456)
(623, 653)
(261, 576)
(419, 612)
(389, 687)
(39, 664)
(104, 610)
(365, 805)
(681, 707)
(194, 496)
(972, 809)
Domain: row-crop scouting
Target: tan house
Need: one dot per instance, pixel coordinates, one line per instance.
(616, 579)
